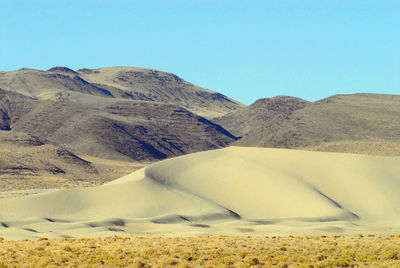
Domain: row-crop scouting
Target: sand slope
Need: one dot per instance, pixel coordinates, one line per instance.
(234, 190)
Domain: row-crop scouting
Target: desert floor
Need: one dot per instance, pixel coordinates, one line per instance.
(214, 251)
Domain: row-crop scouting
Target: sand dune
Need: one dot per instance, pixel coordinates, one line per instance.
(234, 190)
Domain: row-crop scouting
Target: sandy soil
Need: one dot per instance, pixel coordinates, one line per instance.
(232, 191)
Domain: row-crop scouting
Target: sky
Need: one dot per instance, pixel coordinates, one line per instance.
(245, 49)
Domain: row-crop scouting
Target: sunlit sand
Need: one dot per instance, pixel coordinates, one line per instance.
(232, 191)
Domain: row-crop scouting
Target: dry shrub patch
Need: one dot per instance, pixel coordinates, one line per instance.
(215, 251)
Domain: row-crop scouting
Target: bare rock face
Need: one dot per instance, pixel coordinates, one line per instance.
(4, 120)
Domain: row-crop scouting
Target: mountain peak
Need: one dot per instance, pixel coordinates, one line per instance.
(61, 69)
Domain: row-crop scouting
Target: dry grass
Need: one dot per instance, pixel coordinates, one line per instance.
(219, 251)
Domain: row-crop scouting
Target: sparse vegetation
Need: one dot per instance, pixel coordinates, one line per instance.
(388, 148)
(218, 251)
(49, 166)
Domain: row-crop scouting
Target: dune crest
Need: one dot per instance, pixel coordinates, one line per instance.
(234, 190)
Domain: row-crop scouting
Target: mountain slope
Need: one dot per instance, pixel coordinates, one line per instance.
(12, 107)
(113, 128)
(46, 84)
(28, 163)
(269, 111)
(367, 119)
(153, 85)
(118, 82)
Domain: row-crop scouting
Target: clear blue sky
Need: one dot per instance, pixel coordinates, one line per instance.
(244, 49)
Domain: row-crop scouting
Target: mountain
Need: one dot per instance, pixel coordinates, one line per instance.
(112, 128)
(119, 113)
(111, 116)
(264, 112)
(118, 82)
(60, 127)
(359, 123)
